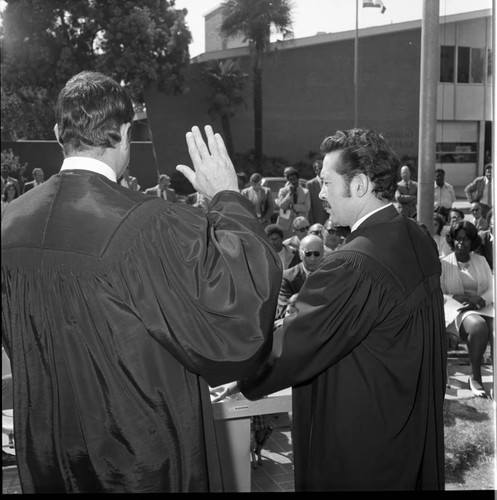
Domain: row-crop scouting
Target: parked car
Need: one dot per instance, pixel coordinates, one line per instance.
(275, 184)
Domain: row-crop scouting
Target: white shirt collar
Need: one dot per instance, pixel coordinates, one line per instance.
(362, 219)
(91, 164)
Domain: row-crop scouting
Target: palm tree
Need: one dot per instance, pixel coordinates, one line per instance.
(227, 83)
(253, 20)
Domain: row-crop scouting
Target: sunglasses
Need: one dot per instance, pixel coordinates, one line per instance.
(316, 232)
(330, 230)
(303, 229)
(308, 253)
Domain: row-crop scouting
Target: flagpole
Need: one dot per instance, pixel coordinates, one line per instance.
(429, 77)
(356, 62)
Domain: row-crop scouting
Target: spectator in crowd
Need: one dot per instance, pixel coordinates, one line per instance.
(300, 228)
(163, 189)
(311, 253)
(38, 179)
(444, 195)
(368, 339)
(261, 198)
(407, 193)
(455, 215)
(7, 178)
(478, 220)
(440, 235)
(480, 189)
(242, 180)
(119, 309)
(290, 309)
(128, 181)
(316, 229)
(293, 201)
(467, 277)
(332, 237)
(9, 194)
(317, 213)
(289, 256)
(487, 241)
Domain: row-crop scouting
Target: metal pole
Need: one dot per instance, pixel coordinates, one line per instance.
(428, 111)
(494, 194)
(356, 62)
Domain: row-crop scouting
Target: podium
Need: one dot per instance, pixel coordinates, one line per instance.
(232, 420)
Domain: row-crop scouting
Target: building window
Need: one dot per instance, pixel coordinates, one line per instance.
(489, 66)
(470, 65)
(456, 152)
(447, 63)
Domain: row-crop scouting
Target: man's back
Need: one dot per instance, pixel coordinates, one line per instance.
(109, 343)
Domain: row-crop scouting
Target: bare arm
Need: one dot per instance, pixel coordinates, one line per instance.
(213, 170)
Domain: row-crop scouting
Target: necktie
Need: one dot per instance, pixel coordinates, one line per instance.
(407, 187)
(295, 197)
(489, 194)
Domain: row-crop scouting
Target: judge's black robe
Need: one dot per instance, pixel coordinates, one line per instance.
(117, 310)
(366, 356)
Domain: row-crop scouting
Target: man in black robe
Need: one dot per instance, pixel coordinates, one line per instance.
(365, 351)
(118, 309)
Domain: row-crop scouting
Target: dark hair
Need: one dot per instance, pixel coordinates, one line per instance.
(8, 186)
(90, 110)
(471, 233)
(291, 171)
(460, 212)
(367, 152)
(440, 170)
(441, 222)
(255, 178)
(273, 229)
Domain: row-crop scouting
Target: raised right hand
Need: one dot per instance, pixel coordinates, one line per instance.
(214, 171)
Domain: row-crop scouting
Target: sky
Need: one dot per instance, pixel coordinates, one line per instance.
(330, 16)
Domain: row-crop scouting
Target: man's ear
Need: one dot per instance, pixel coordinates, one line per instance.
(125, 131)
(360, 184)
(56, 132)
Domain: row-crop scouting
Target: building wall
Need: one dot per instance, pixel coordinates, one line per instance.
(213, 40)
(308, 94)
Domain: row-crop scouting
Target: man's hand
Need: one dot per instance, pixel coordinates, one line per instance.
(214, 171)
(223, 391)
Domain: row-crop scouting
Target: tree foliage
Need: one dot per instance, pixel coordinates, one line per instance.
(254, 20)
(44, 43)
(227, 93)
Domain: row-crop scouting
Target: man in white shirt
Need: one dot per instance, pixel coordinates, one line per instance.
(481, 190)
(444, 194)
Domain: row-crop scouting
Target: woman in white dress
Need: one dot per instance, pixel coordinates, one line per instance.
(466, 276)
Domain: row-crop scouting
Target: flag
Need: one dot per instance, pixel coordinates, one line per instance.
(374, 3)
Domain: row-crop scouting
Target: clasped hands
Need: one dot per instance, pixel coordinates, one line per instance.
(470, 302)
(213, 170)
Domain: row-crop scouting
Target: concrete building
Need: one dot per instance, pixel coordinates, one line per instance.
(308, 93)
